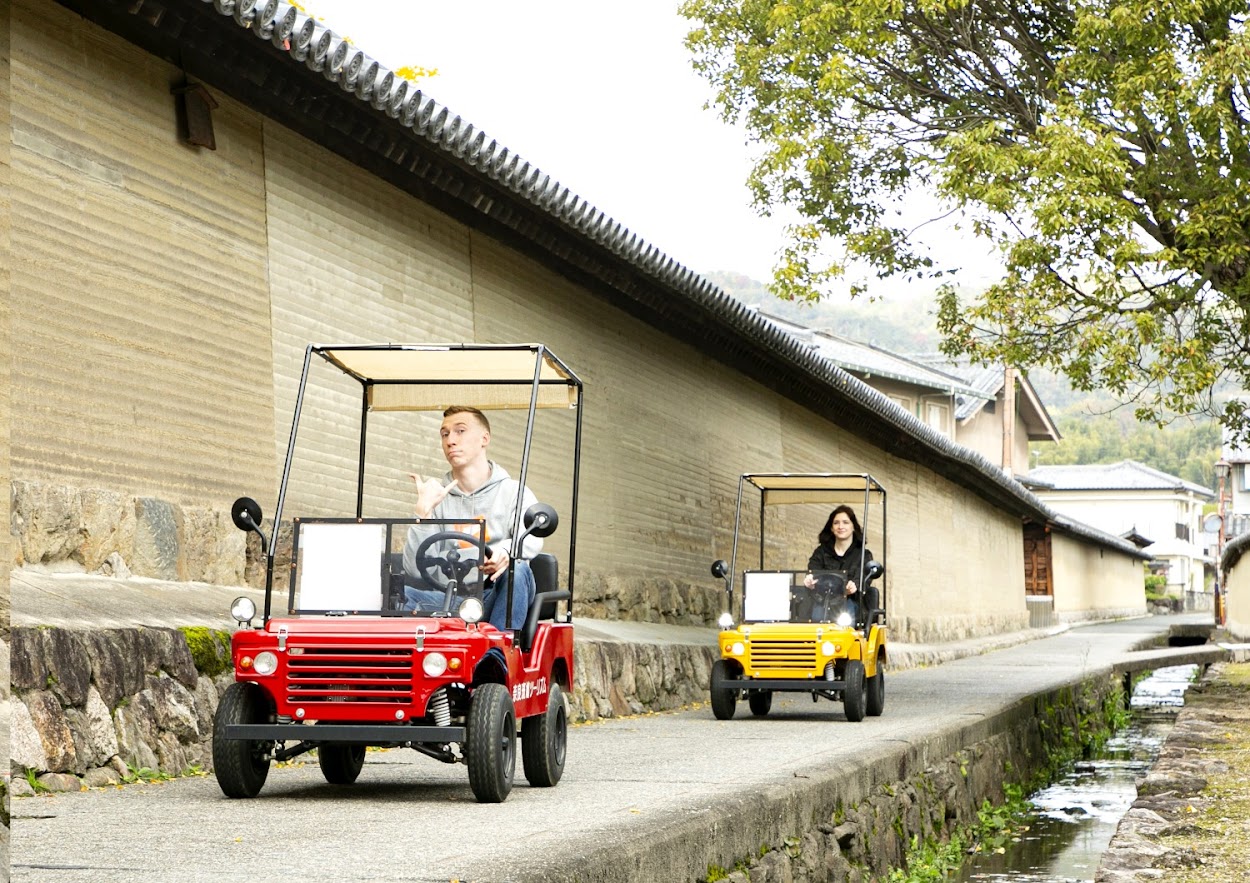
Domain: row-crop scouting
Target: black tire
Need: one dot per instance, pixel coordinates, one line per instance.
(544, 741)
(760, 701)
(876, 691)
(340, 764)
(491, 749)
(241, 765)
(853, 694)
(723, 698)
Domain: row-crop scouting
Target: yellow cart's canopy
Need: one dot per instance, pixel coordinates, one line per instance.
(834, 488)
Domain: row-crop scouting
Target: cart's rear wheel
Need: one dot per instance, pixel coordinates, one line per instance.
(723, 698)
(340, 764)
(760, 701)
(241, 765)
(544, 741)
(876, 690)
(491, 749)
(853, 694)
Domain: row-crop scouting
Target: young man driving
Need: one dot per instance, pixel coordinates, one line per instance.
(476, 487)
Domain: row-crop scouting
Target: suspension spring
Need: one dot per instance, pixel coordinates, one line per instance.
(439, 708)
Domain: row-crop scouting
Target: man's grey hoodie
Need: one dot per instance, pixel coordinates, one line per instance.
(495, 501)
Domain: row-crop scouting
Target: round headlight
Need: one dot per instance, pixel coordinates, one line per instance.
(434, 664)
(827, 648)
(471, 610)
(738, 648)
(726, 620)
(243, 610)
(266, 663)
(844, 619)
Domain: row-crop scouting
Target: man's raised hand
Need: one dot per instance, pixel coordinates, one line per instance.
(429, 493)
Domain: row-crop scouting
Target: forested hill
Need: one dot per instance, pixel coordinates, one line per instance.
(1095, 428)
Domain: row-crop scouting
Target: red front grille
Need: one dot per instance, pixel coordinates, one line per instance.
(349, 674)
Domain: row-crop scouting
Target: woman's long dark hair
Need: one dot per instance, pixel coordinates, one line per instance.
(826, 533)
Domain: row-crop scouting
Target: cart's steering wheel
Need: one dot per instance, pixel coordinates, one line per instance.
(452, 564)
(831, 590)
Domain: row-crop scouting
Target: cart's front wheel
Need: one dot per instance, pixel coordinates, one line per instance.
(853, 694)
(723, 698)
(340, 764)
(760, 701)
(491, 750)
(241, 765)
(544, 741)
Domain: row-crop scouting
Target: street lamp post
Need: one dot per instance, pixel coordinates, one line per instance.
(1223, 471)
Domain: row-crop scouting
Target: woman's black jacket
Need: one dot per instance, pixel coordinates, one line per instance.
(847, 564)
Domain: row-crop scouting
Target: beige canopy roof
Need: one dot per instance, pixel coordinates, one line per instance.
(429, 377)
(815, 487)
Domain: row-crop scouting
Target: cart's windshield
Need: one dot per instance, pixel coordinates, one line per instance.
(346, 567)
(790, 596)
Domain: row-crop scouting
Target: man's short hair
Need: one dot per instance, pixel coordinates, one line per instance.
(466, 409)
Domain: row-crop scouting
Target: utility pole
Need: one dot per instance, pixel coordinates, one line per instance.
(1009, 419)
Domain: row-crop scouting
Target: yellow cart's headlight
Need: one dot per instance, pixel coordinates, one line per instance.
(738, 648)
(827, 648)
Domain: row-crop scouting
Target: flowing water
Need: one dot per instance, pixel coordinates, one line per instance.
(1075, 818)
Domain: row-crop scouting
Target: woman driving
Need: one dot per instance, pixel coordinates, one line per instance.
(841, 550)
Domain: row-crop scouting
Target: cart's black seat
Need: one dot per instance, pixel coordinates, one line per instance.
(546, 579)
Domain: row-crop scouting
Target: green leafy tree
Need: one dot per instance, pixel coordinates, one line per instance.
(1100, 145)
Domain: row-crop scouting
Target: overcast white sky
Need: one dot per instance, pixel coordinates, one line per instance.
(599, 95)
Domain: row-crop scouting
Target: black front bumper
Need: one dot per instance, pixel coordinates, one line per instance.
(359, 734)
(785, 685)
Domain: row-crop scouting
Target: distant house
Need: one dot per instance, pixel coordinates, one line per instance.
(1130, 500)
(927, 393)
(965, 403)
(1236, 488)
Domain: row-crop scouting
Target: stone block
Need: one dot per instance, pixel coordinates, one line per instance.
(174, 707)
(69, 667)
(28, 666)
(101, 734)
(156, 539)
(136, 734)
(48, 719)
(117, 666)
(101, 777)
(212, 549)
(108, 528)
(26, 749)
(166, 650)
(46, 521)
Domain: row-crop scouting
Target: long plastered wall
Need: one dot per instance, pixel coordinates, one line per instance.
(1091, 582)
(1237, 598)
(667, 430)
(6, 554)
(139, 304)
(163, 296)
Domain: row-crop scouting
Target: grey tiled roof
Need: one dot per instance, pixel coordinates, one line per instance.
(1125, 475)
(872, 361)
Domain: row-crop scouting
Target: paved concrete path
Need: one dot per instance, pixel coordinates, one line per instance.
(642, 799)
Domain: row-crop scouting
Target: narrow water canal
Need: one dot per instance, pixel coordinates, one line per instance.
(1074, 819)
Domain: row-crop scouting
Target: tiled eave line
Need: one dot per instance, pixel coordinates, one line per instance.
(273, 58)
(1236, 547)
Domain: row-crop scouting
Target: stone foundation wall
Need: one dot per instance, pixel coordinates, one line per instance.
(103, 531)
(91, 707)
